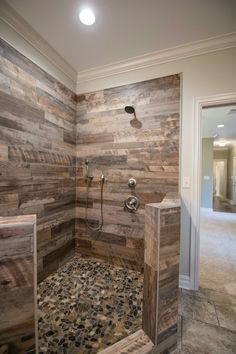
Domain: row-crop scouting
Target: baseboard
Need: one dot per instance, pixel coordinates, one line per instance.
(184, 281)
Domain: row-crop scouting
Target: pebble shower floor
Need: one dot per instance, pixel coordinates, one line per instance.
(87, 306)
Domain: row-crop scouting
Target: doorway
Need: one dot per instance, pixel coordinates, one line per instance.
(197, 178)
(213, 234)
(218, 221)
(234, 182)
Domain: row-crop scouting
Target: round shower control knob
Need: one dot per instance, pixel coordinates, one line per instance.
(132, 203)
(132, 182)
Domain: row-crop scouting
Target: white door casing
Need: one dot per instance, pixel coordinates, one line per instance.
(198, 104)
(234, 181)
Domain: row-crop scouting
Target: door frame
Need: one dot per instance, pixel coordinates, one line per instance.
(198, 104)
(234, 181)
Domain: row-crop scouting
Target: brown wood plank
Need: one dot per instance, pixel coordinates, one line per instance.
(149, 152)
(161, 273)
(37, 152)
(136, 343)
(17, 283)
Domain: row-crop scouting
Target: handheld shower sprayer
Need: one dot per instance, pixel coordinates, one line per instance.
(88, 176)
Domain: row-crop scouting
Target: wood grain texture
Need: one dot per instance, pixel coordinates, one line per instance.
(17, 284)
(136, 343)
(147, 150)
(161, 272)
(37, 154)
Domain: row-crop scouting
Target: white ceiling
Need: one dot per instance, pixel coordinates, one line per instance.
(211, 117)
(124, 28)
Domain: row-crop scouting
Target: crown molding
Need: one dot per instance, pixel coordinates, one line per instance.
(12, 19)
(188, 50)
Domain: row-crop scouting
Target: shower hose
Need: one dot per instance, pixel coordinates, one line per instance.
(100, 225)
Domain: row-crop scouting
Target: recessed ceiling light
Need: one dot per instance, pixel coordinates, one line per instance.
(220, 126)
(87, 17)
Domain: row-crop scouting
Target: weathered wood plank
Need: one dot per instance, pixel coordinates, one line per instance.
(161, 273)
(136, 343)
(149, 152)
(17, 283)
(37, 153)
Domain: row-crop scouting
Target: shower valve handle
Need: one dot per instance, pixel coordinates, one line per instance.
(132, 203)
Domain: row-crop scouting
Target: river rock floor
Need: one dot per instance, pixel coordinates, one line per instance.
(87, 306)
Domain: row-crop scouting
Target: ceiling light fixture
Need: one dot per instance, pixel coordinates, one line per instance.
(220, 126)
(222, 144)
(87, 17)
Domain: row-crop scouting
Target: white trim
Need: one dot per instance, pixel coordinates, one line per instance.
(159, 57)
(198, 104)
(184, 282)
(13, 20)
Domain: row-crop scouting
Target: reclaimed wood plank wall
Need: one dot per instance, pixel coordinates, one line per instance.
(119, 146)
(17, 285)
(37, 154)
(161, 272)
(38, 145)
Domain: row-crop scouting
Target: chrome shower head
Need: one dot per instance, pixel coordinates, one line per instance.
(129, 109)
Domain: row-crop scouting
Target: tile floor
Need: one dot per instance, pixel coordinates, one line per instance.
(86, 306)
(207, 322)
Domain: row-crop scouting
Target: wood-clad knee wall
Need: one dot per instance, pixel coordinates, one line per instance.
(120, 147)
(37, 154)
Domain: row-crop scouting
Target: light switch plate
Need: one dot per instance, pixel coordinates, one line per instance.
(206, 178)
(186, 182)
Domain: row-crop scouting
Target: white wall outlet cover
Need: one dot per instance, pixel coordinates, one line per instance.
(186, 182)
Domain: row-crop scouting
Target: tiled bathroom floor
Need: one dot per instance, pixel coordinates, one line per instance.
(86, 306)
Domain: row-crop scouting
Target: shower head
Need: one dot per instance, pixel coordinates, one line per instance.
(129, 109)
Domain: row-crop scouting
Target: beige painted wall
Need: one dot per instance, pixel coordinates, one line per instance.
(220, 154)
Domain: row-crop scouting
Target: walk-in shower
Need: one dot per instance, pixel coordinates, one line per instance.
(90, 287)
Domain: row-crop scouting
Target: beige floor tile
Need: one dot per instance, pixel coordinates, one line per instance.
(202, 338)
(226, 314)
(198, 308)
